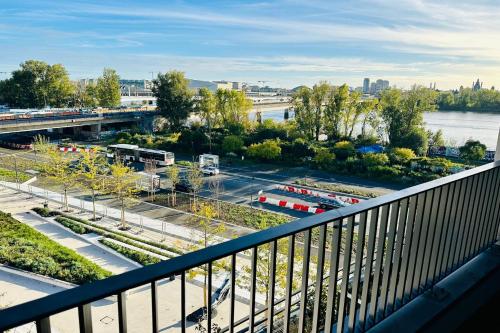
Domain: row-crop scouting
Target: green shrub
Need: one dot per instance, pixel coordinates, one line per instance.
(472, 151)
(25, 248)
(401, 155)
(323, 158)
(45, 212)
(344, 149)
(72, 225)
(140, 257)
(267, 150)
(184, 163)
(372, 159)
(384, 172)
(232, 144)
(124, 238)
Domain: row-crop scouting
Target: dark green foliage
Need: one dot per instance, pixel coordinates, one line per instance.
(25, 248)
(343, 150)
(140, 257)
(173, 97)
(72, 225)
(45, 212)
(472, 151)
(469, 100)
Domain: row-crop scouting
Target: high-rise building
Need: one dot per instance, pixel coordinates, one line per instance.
(366, 85)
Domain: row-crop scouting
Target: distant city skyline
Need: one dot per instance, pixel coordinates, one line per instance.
(285, 43)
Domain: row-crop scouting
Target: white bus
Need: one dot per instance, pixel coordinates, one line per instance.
(124, 151)
(161, 157)
(132, 153)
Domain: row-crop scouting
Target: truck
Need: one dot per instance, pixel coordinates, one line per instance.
(209, 164)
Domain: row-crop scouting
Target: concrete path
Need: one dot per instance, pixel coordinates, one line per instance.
(105, 259)
(177, 231)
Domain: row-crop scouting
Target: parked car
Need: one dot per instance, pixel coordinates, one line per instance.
(326, 205)
(210, 171)
(183, 186)
(219, 295)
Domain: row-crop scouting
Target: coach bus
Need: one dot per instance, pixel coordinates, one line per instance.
(133, 153)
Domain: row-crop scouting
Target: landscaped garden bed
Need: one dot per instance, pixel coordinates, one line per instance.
(25, 248)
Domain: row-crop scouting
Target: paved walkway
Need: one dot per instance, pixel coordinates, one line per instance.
(104, 258)
(176, 231)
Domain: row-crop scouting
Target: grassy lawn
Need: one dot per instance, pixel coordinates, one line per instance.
(23, 247)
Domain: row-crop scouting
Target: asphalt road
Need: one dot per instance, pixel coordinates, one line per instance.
(242, 184)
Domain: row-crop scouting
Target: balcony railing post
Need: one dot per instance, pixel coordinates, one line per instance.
(305, 280)
(85, 318)
(357, 271)
(154, 306)
(122, 312)
(43, 325)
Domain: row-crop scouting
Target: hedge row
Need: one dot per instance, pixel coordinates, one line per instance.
(75, 224)
(68, 223)
(25, 248)
(140, 257)
(45, 212)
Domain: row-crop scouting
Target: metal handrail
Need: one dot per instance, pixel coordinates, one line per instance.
(40, 309)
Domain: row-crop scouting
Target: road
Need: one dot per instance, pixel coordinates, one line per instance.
(241, 184)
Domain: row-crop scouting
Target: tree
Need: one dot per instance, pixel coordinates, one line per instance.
(92, 170)
(304, 111)
(60, 169)
(349, 115)
(123, 185)
(402, 113)
(40, 144)
(85, 96)
(173, 97)
(108, 89)
(370, 111)
(216, 187)
(195, 179)
(232, 107)
(150, 169)
(172, 173)
(472, 151)
(263, 269)
(318, 98)
(36, 85)
(435, 138)
(205, 214)
(323, 158)
(206, 108)
(267, 150)
(232, 144)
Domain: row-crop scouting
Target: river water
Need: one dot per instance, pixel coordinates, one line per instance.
(457, 126)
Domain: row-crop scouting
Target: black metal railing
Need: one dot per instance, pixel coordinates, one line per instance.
(346, 269)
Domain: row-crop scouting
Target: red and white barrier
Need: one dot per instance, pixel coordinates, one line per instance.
(73, 149)
(291, 205)
(329, 196)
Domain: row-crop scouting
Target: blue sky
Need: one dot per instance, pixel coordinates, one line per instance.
(284, 42)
